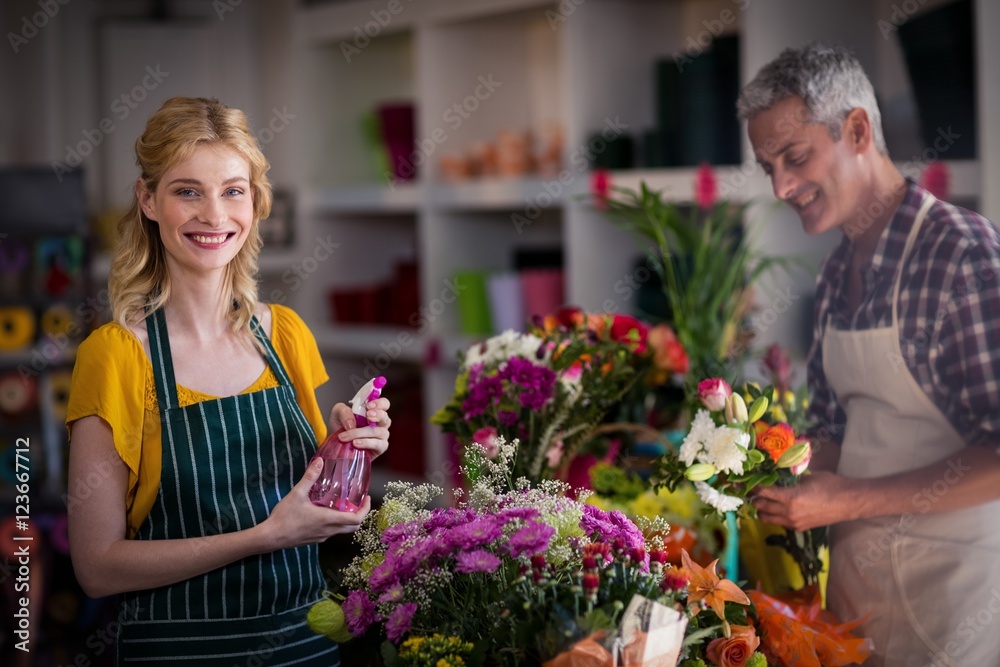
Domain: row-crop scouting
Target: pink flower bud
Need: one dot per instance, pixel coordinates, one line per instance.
(487, 437)
(713, 393)
(705, 186)
(802, 465)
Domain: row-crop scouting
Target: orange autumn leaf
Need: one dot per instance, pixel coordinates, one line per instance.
(776, 440)
(704, 584)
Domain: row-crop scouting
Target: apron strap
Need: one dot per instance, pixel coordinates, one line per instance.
(272, 355)
(163, 364)
(911, 239)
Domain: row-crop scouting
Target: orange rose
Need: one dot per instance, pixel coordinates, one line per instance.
(759, 427)
(776, 440)
(735, 651)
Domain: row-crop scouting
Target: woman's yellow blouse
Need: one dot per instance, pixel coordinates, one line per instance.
(113, 379)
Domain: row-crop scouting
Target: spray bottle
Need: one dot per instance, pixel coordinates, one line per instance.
(347, 470)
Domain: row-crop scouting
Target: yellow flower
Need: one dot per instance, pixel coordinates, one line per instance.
(598, 502)
(680, 503)
(646, 505)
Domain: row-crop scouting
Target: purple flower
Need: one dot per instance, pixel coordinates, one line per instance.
(383, 575)
(476, 561)
(476, 533)
(531, 539)
(399, 621)
(510, 513)
(359, 612)
(446, 518)
(400, 531)
(627, 530)
(537, 382)
(596, 520)
(410, 560)
(508, 417)
(394, 594)
(482, 393)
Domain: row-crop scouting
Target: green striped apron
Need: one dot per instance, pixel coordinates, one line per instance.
(226, 464)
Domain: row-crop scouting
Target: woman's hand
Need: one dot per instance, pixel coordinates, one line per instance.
(374, 437)
(295, 521)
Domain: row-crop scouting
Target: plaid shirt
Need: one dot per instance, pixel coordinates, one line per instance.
(949, 315)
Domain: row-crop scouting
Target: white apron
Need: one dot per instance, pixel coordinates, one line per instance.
(929, 582)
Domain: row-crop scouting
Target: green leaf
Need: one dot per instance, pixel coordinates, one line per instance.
(755, 456)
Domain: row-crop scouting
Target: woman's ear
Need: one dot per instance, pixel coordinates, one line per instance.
(858, 130)
(145, 198)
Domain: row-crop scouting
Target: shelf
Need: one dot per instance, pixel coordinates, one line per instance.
(362, 340)
(965, 176)
(503, 194)
(401, 198)
(278, 260)
(740, 182)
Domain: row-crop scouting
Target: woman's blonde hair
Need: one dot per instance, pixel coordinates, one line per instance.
(138, 282)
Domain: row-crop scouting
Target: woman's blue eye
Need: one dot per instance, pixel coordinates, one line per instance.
(186, 192)
(234, 191)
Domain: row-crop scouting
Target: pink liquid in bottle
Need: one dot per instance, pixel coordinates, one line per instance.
(347, 470)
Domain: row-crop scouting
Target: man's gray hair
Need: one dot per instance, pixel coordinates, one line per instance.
(828, 78)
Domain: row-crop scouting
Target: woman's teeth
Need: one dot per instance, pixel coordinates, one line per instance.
(210, 239)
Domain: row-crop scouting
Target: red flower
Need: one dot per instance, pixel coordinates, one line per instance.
(627, 329)
(935, 179)
(706, 188)
(777, 363)
(600, 187)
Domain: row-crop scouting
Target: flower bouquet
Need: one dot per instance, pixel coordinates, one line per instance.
(730, 449)
(552, 387)
(694, 526)
(514, 575)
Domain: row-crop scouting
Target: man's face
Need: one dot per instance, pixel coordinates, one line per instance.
(815, 175)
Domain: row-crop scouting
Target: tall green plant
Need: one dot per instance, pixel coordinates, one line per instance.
(707, 268)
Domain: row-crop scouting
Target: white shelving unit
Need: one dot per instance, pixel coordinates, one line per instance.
(586, 65)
